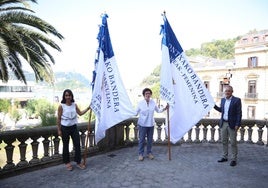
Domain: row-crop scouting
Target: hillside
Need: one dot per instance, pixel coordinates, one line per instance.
(63, 80)
(219, 49)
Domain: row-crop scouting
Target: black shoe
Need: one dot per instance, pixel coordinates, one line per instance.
(222, 160)
(233, 163)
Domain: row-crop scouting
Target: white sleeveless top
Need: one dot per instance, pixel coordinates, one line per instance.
(69, 115)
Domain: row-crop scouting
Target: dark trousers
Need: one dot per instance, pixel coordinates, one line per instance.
(66, 133)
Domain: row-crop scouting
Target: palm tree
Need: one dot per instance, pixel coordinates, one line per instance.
(23, 38)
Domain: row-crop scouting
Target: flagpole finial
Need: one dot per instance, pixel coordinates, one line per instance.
(104, 15)
(164, 14)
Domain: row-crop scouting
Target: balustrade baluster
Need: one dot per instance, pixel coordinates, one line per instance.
(260, 132)
(266, 133)
(91, 138)
(212, 130)
(189, 139)
(22, 147)
(159, 130)
(83, 139)
(56, 142)
(242, 134)
(46, 142)
(166, 136)
(9, 153)
(136, 130)
(197, 133)
(205, 131)
(250, 130)
(127, 129)
(180, 141)
(34, 144)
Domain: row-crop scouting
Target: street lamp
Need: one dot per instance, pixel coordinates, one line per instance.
(228, 75)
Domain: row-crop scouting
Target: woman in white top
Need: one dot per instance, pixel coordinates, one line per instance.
(146, 109)
(67, 126)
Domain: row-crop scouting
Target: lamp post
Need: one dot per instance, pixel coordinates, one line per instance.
(228, 75)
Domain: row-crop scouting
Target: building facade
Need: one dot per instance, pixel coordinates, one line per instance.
(16, 90)
(247, 73)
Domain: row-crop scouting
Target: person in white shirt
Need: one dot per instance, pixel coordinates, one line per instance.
(145, 110)
(67, 127)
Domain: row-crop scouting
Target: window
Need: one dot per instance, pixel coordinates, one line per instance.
(206, 84)
(252, 62)
(251, 94)
(251, 112)
(222, 86)
(256, 39)
(252, 86)
(245, 40)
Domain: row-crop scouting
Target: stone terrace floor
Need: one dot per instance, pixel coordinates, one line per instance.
(191, 166)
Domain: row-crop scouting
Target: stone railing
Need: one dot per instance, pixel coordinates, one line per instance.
(29, 149)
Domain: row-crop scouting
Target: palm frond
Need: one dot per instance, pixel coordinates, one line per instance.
(24, 38)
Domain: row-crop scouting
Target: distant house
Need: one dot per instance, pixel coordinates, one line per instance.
(17, 90)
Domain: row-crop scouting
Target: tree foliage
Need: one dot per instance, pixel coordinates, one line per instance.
(42, 108)
(153, 77)
(156, 90)
(23, 39)
(219, 49)
(4, 105)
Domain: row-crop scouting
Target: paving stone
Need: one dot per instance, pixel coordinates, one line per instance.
(191, 166)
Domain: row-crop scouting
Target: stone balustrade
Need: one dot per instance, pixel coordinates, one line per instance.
(29, 149)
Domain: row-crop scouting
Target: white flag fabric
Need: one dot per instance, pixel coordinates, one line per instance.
(110, 101)
(181, 87)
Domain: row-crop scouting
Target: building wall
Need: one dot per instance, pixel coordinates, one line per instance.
(241, 75)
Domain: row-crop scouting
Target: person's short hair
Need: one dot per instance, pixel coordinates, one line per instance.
(229, 87)
(146, 90)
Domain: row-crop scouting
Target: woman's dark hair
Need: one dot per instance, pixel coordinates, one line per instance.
(145, 90)
(63, 95)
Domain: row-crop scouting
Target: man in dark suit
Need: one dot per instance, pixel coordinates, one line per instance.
(231, 114)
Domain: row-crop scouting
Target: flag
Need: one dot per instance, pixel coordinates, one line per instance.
(180, 86)
(110, 102)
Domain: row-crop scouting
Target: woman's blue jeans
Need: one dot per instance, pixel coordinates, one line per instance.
(66, 133)
(145, 132)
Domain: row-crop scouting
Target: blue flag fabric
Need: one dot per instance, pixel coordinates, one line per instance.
(110, 102)
(104, 39)
(181, 87)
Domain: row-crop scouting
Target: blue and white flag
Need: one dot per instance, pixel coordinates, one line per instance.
(181, 87)
(110, 102)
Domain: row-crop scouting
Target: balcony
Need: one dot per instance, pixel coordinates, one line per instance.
(38, 148)
(251, 96)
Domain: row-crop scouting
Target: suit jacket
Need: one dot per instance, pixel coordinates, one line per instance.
(234, 113)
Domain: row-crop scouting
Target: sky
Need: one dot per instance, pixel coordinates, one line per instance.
(134, 27)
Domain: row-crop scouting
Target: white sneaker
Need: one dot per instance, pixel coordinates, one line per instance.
(150, 156)
(140, 158)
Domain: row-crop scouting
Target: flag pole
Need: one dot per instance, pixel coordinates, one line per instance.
(88, 128)
(169, 149)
